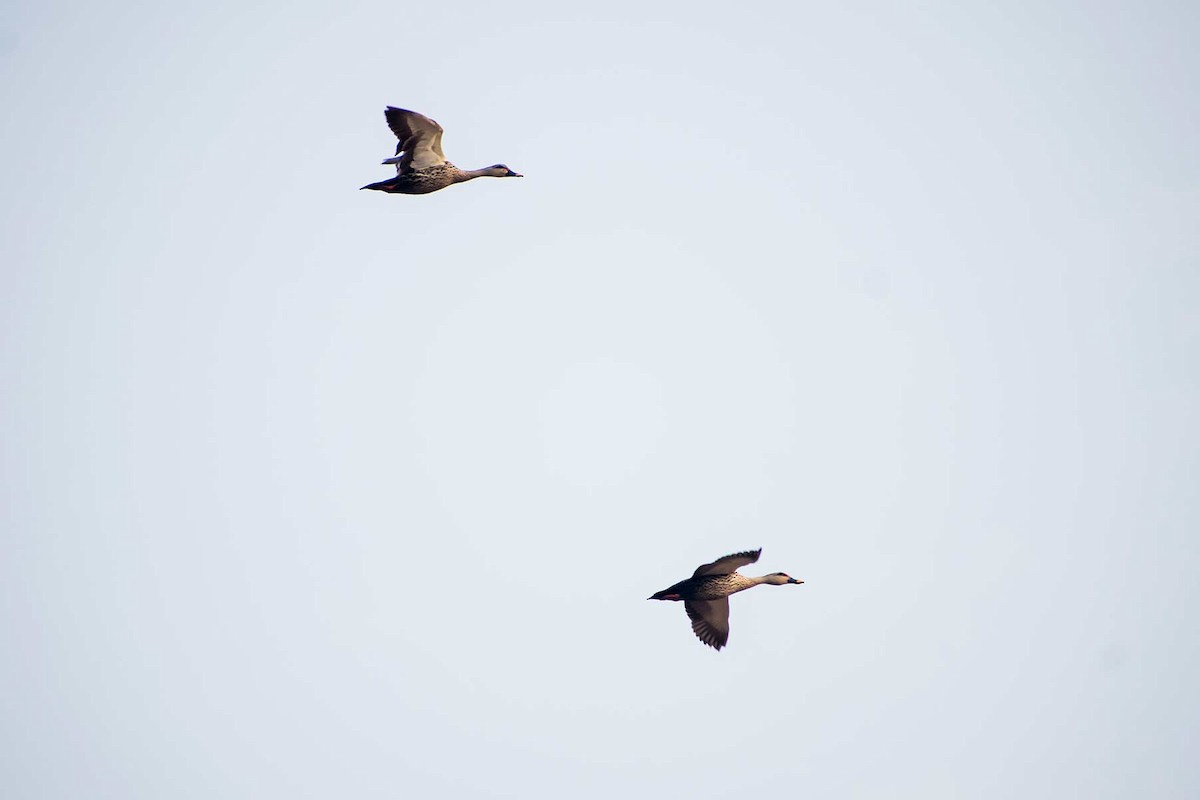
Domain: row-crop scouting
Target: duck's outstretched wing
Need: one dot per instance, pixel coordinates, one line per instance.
(419, 144)
(710, 620)
(727, 564)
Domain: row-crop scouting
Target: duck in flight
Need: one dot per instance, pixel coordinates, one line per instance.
(705, 595)
(421, 166)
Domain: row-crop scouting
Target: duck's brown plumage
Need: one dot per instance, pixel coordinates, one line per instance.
(705, 595)
(421, 166)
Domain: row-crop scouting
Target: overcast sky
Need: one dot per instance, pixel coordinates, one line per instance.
(313, 492)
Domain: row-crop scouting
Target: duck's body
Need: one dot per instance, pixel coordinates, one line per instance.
(421, 166)
(711, 587)
(436, 177)
(705, 595)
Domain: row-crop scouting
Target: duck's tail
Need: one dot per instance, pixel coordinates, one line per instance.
(381, 186)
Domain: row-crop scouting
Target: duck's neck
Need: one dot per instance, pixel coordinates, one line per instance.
(774, 580)
(482, 172)
(740, 583)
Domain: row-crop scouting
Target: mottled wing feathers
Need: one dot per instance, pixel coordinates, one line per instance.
(418, 137)
(728, 564)
(710, 620)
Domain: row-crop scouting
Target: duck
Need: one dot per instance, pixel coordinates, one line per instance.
(705, 595)
(421, 166)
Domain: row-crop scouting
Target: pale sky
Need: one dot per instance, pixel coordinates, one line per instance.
(313, 492)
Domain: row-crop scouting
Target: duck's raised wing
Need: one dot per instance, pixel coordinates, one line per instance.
(710, 620)
(727, 564)
(420, 139)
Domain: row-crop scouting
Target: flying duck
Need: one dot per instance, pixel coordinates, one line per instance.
(421, 166)
(705, 595)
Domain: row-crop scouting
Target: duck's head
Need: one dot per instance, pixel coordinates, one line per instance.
(780, 578)
(502, 171)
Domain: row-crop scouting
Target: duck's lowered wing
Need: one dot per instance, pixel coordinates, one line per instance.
(710, 620)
